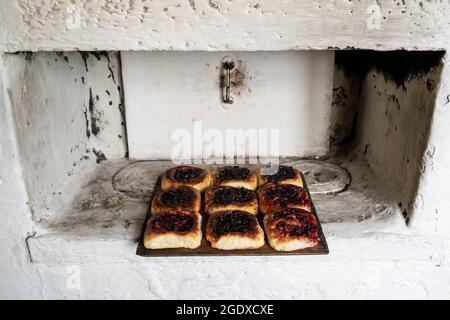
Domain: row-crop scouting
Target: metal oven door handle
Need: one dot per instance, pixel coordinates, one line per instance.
(226, 94)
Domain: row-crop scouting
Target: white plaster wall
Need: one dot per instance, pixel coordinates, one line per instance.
(382, 266)
(218, 25)
(103, 102)
(393, 130)
(19, 278)
(66, 113)
(365, 266)
(254, 278)
(50, 136)
(432, 204)
(286, 91)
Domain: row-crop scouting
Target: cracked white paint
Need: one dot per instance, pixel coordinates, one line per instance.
(432, 199)
(343, 275)
(393, 131)
(217, 25)
(63, 114)
(19, 277)
(272, 91)
(375, 262)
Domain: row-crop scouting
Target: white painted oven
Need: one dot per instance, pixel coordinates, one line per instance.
(95, 97)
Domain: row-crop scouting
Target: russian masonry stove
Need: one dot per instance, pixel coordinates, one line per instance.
(360, 94)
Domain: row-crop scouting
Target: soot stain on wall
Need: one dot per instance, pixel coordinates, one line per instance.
(238, 79)
(85, 111)
(100, 155)
(398, 66)
(95, 129)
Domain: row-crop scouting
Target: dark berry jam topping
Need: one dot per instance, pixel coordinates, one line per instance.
(296, 222)
(233, 172)
(285, 194)
(179, 197)
(283, 173)
(290, 213)
(234, 221)
(179, 222)
(227, 195)
(186, 174)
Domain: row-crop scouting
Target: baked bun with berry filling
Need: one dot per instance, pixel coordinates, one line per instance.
(234, 230)
(176, 198)
(275, 197)
(284, 175)
(173, 229)
(234, 176)
(291, 229)
(227, 198)
(194, 177)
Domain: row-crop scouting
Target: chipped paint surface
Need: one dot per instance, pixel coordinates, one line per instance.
(393, 97)
(271, 91)
(101, 240)
(19, 277)
(64, 119)
(431, 204)
(372, 259)
(114, 201)
(216, 25)
(393, 130)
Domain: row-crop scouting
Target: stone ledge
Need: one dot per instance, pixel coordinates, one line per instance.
(223, 25)
(102, 221)
(53, 249)
(297, 278)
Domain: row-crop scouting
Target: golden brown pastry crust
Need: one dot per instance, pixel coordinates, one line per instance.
(275, 197)
(234, 176)
(285, 175)
(194, 177)
(219, 199)
(234, 230)
(176, 198)
(291, 229)
(174, 229)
